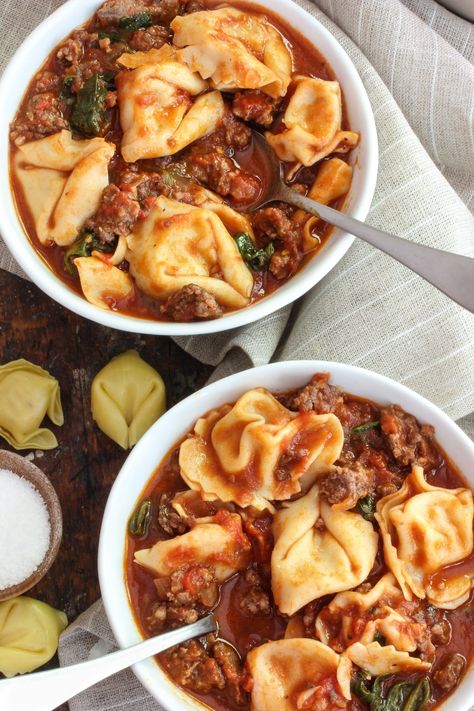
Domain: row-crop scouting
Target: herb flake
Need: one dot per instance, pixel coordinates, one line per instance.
(255, 258)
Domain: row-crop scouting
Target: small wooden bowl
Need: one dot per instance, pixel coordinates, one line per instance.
(24, 468)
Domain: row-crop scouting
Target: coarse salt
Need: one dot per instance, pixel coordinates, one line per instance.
(25, 529)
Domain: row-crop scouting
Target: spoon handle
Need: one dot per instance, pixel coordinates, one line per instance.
(44, 691)
(451, 273)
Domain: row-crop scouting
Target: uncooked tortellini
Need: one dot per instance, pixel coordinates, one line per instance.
(29, 634)
(27, 394)
(128, 396)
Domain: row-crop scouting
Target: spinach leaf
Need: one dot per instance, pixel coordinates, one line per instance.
(380, 639)
(112, 36)
(360, 689)
(419, 697)
(366, 507)
(366, 426)
(135, 22)
(402, 696)
(254, 258)
(88, 115)
(140, 520)
(83, 247)
(66, 94)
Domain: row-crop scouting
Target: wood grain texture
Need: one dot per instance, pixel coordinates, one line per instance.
(84, 466)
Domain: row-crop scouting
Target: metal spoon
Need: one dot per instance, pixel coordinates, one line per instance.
(451, 273)
(44, 691)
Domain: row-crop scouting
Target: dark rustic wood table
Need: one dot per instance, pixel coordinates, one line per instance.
(84, 465)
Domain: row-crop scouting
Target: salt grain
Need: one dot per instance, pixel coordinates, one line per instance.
(25, 529)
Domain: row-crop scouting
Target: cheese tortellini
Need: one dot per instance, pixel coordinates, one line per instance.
(62, 181)
(425, 528)
(318, 551)
(103, 285)
(29, 634)
(313, 124)
(179, 244)
(258, 451)
(287, 672)
(217, 541)
(127, 397)
(27, 394)
(158, 112)
(234, 50)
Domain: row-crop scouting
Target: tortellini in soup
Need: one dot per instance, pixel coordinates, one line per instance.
(312, 122)
(425, 528)
(29, 634)
(127, 397)
(258, 451)
(27, 394)
(158, 109)
(63, 180)
(179, 244)
(234, 50)
(318, 551)
(216, 541)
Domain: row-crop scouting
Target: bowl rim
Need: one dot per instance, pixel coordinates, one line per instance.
(310, 274)
(22, 467)
(112, 580)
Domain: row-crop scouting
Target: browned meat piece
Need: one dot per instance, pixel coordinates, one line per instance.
(258, 527)
(190, 665)
(112, 11)
(110, 99)
(449, 672)
(255, 106)
(236, 133)
(219, 172)
(178, 615)
(116, 215)
(255, 600)
(190, 303)
(409, 442)
(152, 37)
(441, 632)
(168, 519)
(293, 453)
(150, 186)
(272, 223)
(70, 51)
(193, 584)
(343, 484)
(281, 264)
(47, 81)
(43, 117)
(318, 395)
(156, 618)
(229, 662)
(191, 6)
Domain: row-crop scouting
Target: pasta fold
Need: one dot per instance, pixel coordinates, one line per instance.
(63, 180)
(28, 393)
(313, 124)
(179, 244)
(127, 397)
(157, 114)
(318, 551)
(217, 541)
(29, 634)
(425, 528)
(258, 451)
(234, 50)
(103, 284)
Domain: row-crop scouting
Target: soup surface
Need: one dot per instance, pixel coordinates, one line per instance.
(332, 539)
(133, 165)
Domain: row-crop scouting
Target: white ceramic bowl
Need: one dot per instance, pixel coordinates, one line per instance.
(29, 58)
(156, 443)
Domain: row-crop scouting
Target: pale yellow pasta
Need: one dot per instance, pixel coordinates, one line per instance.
(312, 124)
(376, 660)
(310, 561)
(216, 541)
(103, 284)
(63, 181)
(286, 672)
(29, 634)
(127, 397)
(179, 244)
(425, 528)
(248, 441)
(157, 112)
(234, 50)
(28, 393)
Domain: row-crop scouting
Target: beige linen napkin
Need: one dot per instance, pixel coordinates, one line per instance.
(415, 59)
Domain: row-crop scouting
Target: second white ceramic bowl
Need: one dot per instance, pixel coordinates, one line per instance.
(27, 61)
(170, 428)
